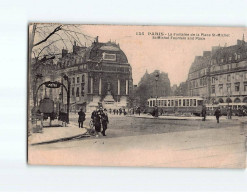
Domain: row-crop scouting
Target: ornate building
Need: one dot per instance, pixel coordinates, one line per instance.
(99, 74)
(220, 75)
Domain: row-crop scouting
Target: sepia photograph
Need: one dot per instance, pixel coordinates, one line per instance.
(137, 95)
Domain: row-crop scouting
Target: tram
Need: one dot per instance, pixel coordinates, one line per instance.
(176, 105)
(238, 109)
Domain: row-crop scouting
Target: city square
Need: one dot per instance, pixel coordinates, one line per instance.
(90, 105)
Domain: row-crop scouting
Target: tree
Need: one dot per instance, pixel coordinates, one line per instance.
(147, 87)
(182, 89)
(45, 43)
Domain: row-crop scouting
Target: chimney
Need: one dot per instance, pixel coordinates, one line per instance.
(64, 52)
(97, 39)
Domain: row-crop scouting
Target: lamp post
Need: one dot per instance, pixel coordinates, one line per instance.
(59, 103)
(68, 94)
(37, 76)
(156, 82)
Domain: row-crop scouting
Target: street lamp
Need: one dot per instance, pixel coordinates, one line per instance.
(60, 98)
(156, 82)
(68, 94)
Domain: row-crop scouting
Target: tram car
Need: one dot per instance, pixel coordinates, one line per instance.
(176, 105)
(238, 109)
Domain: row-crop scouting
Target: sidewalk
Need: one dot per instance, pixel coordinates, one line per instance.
(50, 134)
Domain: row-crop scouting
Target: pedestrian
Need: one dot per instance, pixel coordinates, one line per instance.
(139, 111)
(156, 111)
(117, 111)
(105, 121)
(96, 116)
(204, 113)
(217, 114)
(114, 111)
(81, 118)
(230, 113)
(161, 111)
(110, 110)
(120, 111)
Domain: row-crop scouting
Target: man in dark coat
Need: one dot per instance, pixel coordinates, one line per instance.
(105, 121)
(97, 121)
(204, 113)
(81, 118)
(217, 114)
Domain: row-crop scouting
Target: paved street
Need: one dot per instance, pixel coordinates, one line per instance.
(133, 141)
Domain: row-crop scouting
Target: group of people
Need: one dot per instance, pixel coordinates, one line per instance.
(119, 111)
(217, 113)
(99, 118)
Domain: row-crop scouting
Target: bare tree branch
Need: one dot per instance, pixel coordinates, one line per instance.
(53, 32)
(48, 46)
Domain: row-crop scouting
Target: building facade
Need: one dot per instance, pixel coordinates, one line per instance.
(98, 75)
(220, 75)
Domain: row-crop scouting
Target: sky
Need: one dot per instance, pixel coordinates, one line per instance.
(174, 55)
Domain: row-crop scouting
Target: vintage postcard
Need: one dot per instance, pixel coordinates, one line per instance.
(145, 96)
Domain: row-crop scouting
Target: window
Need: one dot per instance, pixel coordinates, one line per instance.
(83, 78)
(191, 102)
(180, 102)
(237, 76)
(221, 89)
(82, 89)
(78, 79)
(245, 86)
(73, 91)
(213, 88)
(150, 102)
(165, 103)
(77, 92)
(237, 86)
(194, 102)
(169, 103)
(213, 79)
(228, 78)
(73, 79)
(184, 103)
(172, 102)
(220, 79)
(228, 88)
(245, 75)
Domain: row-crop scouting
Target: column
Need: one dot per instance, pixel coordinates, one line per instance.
(100, 85)
(91, 83)
(118, 87)
(127, 87)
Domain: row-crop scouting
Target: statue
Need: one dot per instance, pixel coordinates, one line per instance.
(108, 88)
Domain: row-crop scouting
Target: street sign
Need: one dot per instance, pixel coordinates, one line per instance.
(52, 84)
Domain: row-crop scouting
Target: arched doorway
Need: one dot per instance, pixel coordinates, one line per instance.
(237, 100)
(228, 100)
(221, 100)
(245, 100)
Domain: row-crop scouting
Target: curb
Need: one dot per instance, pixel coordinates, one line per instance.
(62, 139)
